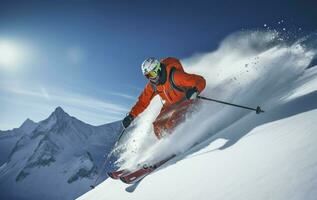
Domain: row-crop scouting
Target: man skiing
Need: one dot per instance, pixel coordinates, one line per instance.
(177, 89)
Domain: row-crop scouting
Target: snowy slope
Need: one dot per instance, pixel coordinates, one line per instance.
(10, 137)
(244, 155)
(273, 161)
(57, 158)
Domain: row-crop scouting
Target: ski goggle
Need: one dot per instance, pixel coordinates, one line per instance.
(154, 73)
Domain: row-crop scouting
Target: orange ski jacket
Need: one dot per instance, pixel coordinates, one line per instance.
(172, 90)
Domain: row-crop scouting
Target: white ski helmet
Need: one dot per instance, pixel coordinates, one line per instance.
(150, 65)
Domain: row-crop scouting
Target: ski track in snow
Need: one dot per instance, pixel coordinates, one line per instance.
(243, 155)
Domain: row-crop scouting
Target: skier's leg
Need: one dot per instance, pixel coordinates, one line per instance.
(159, 124)
(171, 116)
(179, 114)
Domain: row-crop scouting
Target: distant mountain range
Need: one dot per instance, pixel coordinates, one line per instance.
(57, 158)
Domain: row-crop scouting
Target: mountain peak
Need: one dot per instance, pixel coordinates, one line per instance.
(58, 116)
(59, 110)
(28, 121)
(28, 125)
(59, 113)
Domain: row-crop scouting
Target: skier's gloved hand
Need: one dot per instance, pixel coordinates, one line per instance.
(192, 93)
(127, 121)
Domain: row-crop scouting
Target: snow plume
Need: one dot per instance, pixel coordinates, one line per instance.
(249, 68)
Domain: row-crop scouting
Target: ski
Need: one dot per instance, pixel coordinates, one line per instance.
(117, 174)
(132, 177)
(137, 175)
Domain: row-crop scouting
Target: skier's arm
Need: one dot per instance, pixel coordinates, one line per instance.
(144, 100)
(186, 80)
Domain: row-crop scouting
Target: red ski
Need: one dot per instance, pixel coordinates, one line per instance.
(117, 174)
(139, 174)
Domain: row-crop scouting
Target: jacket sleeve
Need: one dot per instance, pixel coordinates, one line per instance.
(144, 100)
(186, 80)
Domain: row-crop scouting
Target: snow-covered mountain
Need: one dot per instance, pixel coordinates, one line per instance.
(57, 158)
(241, 155)
(10, 137)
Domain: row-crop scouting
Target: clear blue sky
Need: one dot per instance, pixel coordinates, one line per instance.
(85, 55)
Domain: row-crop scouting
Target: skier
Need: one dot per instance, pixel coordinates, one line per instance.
(177, 89)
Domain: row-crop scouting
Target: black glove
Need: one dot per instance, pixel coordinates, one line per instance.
(191, 93)
(127, 121)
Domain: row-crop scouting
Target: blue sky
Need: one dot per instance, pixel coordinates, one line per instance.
(85, 55)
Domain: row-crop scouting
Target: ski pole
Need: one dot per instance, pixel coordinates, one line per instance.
(107, 159)
(258, 110)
